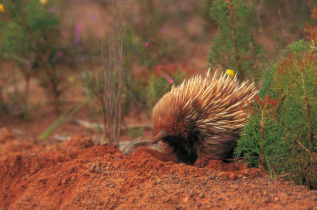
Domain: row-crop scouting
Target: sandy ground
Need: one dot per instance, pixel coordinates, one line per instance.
(77, 174)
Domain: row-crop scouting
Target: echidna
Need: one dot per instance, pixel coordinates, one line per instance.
(202, 117)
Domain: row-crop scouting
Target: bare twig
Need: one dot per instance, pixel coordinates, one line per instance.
(126, 147)
(262, 126)
(159, 58)
(17, 58)
(283, 175)
(94, 126)
(55, 136)
(301, 145)
(113, 86)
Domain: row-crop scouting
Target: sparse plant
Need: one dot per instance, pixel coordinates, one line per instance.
(134, 133)
(113, 88)
(160, 83)
(26, 39)
(234, 46)
(106, 85)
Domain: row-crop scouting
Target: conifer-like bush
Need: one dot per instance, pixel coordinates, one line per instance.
(234, 46)
(281, 135)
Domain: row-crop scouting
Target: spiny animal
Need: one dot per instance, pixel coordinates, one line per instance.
(202, 117)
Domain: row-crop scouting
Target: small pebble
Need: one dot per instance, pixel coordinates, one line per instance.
(178, 207)
(232, 176)
(201, 195)
(266, 199)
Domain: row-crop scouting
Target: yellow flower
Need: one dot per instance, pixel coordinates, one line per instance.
(43, 2)
(71, 78)
(230, 72)
(2, 8)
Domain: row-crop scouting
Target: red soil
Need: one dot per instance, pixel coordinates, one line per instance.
(78, 174)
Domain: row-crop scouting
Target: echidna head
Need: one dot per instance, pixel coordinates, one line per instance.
(174, 124)
(178, 135)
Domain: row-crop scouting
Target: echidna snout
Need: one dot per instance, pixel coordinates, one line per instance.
(182, 147)
(202, 117)
(160, 136)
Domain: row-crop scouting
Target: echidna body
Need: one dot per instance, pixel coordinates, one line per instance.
(202, 117)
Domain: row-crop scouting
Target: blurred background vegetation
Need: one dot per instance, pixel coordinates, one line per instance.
(53, 64)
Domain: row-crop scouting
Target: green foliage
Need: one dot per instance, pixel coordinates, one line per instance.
(140, 94)
(27, 28)
(134, 133)
(234, 46)
(286, 9)
(161, 84)
(148, 28)
(281, 133)
(30, 37)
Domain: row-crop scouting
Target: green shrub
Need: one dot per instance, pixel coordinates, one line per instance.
(30, 37)
(281, 133)
(234, 46)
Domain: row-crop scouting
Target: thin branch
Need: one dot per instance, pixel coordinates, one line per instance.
(304, 148)
(17, 58)
(94, 126)
(234, 36)
(308, 115)
(301, 145)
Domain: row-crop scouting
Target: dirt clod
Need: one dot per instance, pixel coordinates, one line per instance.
(232, 176)
(201, 195)
(276, 199)
(266, 200)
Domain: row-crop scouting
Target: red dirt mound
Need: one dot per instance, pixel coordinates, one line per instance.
(78, 174)
(10, 145)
